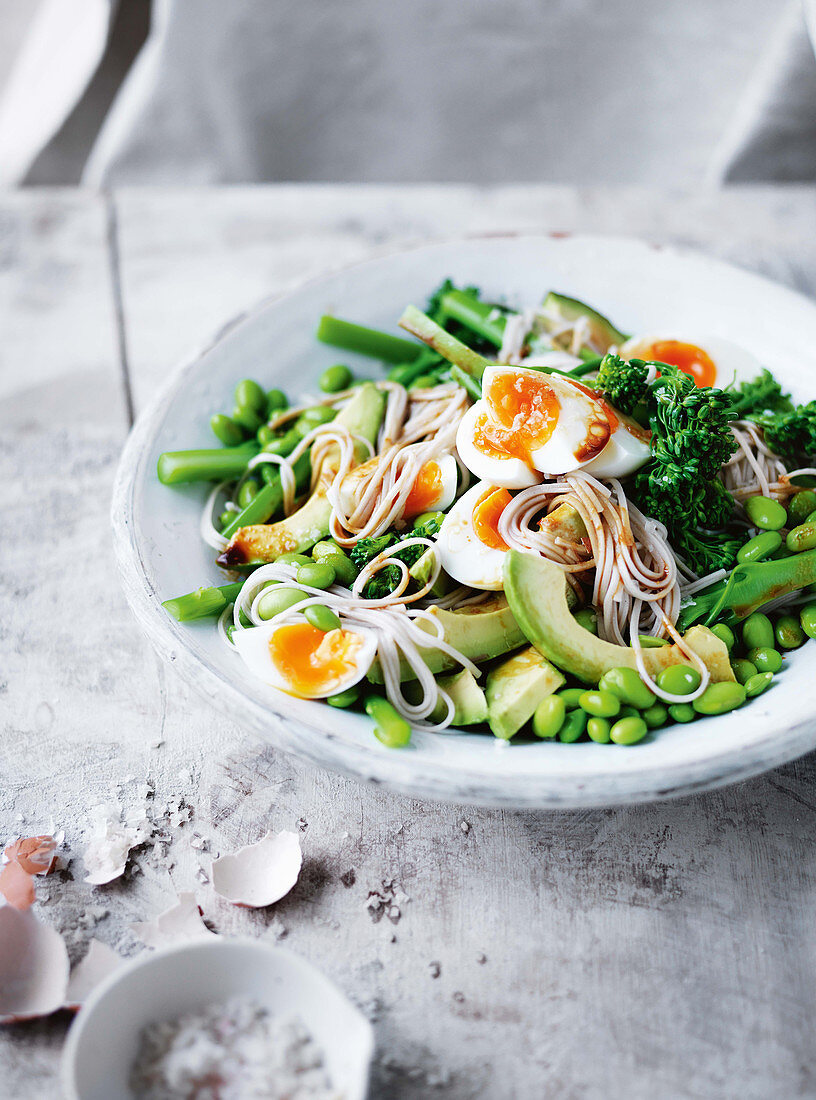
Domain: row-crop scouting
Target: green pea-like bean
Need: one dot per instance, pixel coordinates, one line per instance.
(801, 538)
(278, 599)
(265, 435)
(807, 619)
(628, 731)
(759, 683)
(788, 632)
(336, 378)
(322, 618)
(345, 571)
(225, 519)
(682, 712)
(316, 574)
(760, 547)
(628, 712)
(318, 414)
(628, 686)
(678, 679)
(573, 727)
(248, 394)
(800, 507)
(423, 382)
(725, 634)
(572, 696)
(598, 730)
(226, 430)
(720, 698)
(602, 704)
(649, 641)
(247, 417)
(743, 670)
(587, 619)
(766, 658)
(345, 698)
(247, 492)
(283, 445)
(291, 558)
(276, 401)
(757, 630)
(655, 716)
(389, 726)
(549, 717)
(765, 513)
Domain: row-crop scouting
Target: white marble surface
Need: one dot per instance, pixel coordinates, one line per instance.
(659, 951)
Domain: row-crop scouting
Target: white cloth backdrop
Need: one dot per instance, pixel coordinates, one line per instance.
(669, 92)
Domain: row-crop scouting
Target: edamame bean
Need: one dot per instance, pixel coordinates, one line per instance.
(766, 658)
(800, 507)
(247, 492)
(389, 726)
(628, 712)
(265, 435)
(801, 538)
(759, 683)
(317, 414)
(429, 517)
(282, 445)
(345, 570)
(767, 514)
(682, 712)
(757, 630)
(598, 730)
(423, 382)
(247, 418)
(760, 547)
(789, 634)
(648, 641)
(291, 558)
(336, 378)
(276, 401)
(743, 670)
(549, 717)
(678, 679)
(225, 519)
(628, 686)
(572, 696)
(345, 698)
(278, 599)
(720, 698)
(248, 394)
(316, 574)
(322, 618)
(807, 619)
(587, 619)
(226, 430)
(725, 634)
(655, 716)
(602, 704)
(573, 727)
(628, 731)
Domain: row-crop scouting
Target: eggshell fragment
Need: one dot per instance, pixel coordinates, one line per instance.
(111, 841)
(33, 967)
(17, 886)
(99, 962)
(179, 923)
(35, 854)
(261, 873)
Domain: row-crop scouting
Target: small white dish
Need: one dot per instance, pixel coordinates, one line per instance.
(644, 288)
(162, 985)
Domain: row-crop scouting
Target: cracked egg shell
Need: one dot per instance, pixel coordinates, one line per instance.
(181, 922)
(261, 873)
(98, 963)
(33, 967)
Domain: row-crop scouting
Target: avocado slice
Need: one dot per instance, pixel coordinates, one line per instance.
(516, 687)
(537, 592)
(602, 333)
(565, 522)
(479, 633)
(263, 542)
(470, 705)
(421, 570)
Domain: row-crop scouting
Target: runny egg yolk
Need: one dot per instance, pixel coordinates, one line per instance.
(426, 490)
(523, 415)
(486, 518)
(686, 357)
(312, 661)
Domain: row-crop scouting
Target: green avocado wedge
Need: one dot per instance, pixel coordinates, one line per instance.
(602, 333)
(514, 689)
(537, 593)
(479, 633)
(463, 690)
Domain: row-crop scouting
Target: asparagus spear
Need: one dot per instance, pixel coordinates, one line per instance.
(269, 499)
(203, 603)
(219, 464)
(366, 341)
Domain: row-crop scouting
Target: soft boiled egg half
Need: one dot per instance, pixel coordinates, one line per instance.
(530, 423)
(304, 661)
(469, 545)
(433, 490)
(710, 360)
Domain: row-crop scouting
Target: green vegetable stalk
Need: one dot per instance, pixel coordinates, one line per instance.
(203, 603)
(366, 341)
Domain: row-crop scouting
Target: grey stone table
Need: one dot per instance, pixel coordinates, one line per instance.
(659, 951)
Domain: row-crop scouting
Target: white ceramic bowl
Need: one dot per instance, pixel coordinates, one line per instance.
(643, 288)
(161, 985)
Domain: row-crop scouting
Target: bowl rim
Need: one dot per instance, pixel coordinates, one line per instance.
(85, 1017)
(400, 771)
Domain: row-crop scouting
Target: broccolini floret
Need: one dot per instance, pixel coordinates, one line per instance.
(622, 381)
(760, 395)
(791, 435)
(385, 580)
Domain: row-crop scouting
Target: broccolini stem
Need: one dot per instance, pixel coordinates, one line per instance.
(475, 315)
(219, 464)
(473, 387)
(366, 341)
(269, 499)
(203, 603)
(415, 321)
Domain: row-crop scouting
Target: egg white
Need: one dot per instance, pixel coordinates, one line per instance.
(732, 362)
(449, 477)
(624, 453)
(462, 554)
(505, 473)
(253, 646)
